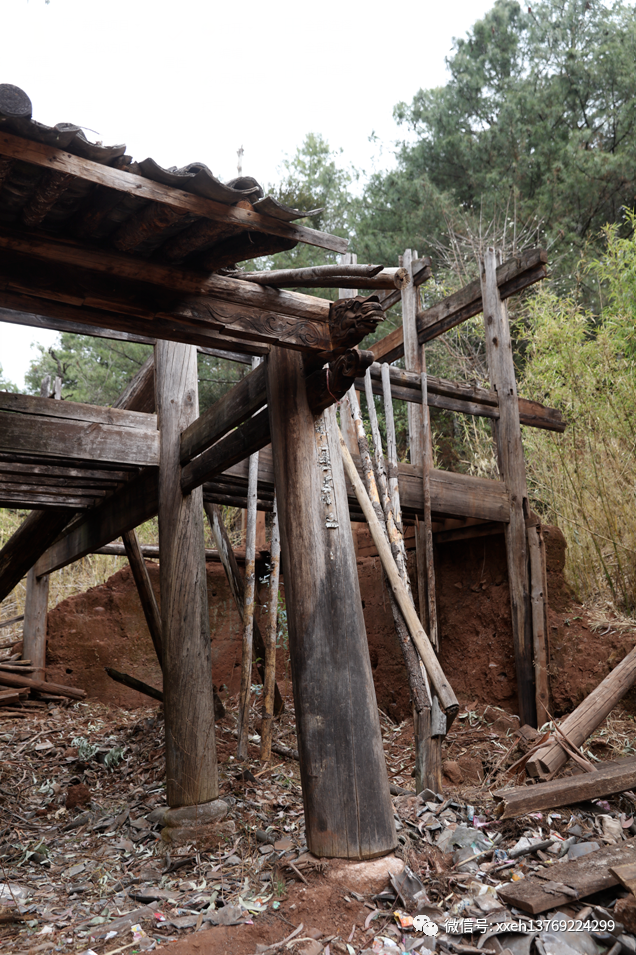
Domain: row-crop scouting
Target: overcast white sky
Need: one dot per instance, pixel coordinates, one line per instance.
(193, 80)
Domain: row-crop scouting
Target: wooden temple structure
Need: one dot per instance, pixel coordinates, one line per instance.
(94, 243)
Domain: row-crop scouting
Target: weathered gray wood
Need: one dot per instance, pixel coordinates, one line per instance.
(24, 546)
(76, 411)
(227, 557)
(139, 394)
(144, 589)
(581, 723)
(232, 409)
(271, 633)
(347, 266)
(348, 260)
(514, 275)
(34, 631)
(73, 440)
(57, 160)
(510, 455)
(191, 769)
(17, 681)
(38, 497)
(539, 602)
(606, 780)
(402, 595)
(248, 604)
(588, 874)
(463, 398)
(348, 809)
(245, 440)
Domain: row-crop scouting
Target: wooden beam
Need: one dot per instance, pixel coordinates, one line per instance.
(513, 471)
(607, 780)
(245, 440)
(128, 325)
(26, 544)
(128, 507)
(339, 737)
(134, 684)
(16, 680)
(191, 767)
(142, 307)
(73, 440)
(76, 411)
(58, 160)
(245, 398)
(346, 276)
(139, 393)
(513, 275)
(539, 611)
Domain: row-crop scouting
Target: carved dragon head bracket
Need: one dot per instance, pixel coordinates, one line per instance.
(329, 384)
(352, 319)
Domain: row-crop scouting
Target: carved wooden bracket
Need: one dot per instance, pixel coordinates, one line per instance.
(329, 384)
(352, 319)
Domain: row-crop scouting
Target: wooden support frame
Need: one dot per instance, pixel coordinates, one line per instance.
(34, 630)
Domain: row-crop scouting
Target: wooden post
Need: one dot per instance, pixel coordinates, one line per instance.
(269, 682)
(428, 761)
(348, 811)
(191, 768)
(513, 473)
(145, 591)
(248, 607)
(34, 632)
(539, 600)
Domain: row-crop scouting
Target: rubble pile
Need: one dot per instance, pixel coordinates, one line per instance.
(85, 865)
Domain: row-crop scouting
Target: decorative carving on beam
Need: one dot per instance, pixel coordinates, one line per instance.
(328, 385)
(49, 190)
(352, 319)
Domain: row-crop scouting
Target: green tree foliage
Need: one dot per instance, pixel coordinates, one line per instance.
(583, 480)
(6, 385)
(538, 118)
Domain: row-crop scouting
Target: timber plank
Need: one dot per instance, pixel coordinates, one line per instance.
(231, 410)
(586, 875)
(17, 682)
(123, 181)
(250, 437)
(604, 781)
(25, 545)
(75, 440)
(76, 411)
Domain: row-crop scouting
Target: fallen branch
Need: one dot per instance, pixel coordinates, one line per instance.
(134, 684)
(14, 680)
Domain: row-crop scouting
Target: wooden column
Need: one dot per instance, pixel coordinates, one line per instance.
(191, 768)
(428, 740)
(539, 603)
(348, 810)
(513, 472)
(34, 632)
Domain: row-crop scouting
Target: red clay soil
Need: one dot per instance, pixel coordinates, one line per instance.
(322, 909)
(105, 627)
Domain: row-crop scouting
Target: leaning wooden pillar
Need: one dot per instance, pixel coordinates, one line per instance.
(513, 472)
(428, 732)
(36, 605)
(191, 770)
(348, 810)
